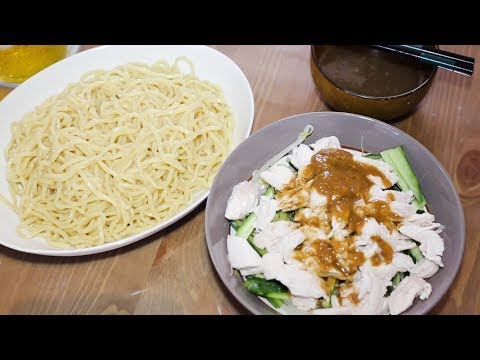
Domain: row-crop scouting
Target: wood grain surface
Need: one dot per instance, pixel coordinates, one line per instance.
(171, 272)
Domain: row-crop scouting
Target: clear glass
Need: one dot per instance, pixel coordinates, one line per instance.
(20, 62)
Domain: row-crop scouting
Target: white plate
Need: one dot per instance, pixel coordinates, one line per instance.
(210, 65)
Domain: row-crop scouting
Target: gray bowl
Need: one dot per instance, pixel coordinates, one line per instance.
(442, 198)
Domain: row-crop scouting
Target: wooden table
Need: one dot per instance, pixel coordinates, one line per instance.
(171, 272)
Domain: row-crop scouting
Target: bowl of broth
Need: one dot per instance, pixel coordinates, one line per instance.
(363, 80)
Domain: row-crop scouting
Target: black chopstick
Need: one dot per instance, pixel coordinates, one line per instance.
(443, 59)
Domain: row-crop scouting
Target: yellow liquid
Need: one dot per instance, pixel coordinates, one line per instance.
(19, 62)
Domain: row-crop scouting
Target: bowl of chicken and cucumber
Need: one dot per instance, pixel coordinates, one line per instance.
(334, 213)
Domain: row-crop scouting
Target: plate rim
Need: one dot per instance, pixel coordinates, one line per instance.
(202, 195)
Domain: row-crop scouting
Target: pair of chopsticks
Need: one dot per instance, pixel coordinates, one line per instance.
(443, 59)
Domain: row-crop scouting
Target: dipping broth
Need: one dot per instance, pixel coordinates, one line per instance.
(370, 72)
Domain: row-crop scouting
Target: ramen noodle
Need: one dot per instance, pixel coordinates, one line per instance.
(116, 153)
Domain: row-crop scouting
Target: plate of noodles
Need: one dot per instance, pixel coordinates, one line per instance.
(113, 144)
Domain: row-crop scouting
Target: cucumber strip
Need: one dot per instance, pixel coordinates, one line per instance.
(326, 303)
(275, 302)
(416, 254)
(281, 215)
(235, 224)
(373, 156)
(395, 281)
(245, 231)
(401, 182)
(278, 296)
(407, 180)
(266, 288)
(269, 192)
(246, 228)
(260, 252)
(417, 204)
(397, 278)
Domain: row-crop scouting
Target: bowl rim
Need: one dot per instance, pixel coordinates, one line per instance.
(428, 80)
(454, 268)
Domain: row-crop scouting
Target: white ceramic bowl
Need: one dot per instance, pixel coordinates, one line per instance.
(209, 63)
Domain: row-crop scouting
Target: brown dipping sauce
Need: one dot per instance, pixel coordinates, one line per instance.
(324, 253)
(335, 174)
(367, 71)
(341, 179)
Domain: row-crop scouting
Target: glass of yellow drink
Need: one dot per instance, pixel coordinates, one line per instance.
(19, 62)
